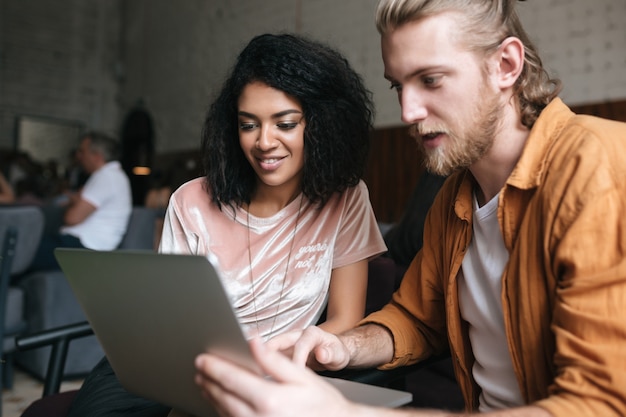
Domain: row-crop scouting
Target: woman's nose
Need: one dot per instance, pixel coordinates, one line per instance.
(265, 140)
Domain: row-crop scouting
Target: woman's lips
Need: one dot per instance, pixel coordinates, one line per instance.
(270, 164)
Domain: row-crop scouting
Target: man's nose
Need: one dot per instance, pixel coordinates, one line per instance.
(413, 106)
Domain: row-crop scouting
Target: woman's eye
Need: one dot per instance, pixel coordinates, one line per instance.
(287, 125)
(395, 86)
(247, 126)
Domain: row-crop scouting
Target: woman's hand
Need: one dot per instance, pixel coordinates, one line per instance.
(312, 347)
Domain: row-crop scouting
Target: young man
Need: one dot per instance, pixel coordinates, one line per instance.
(95, 217)
(522, 276)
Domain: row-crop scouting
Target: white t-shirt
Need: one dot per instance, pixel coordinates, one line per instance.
(480, 289)
(344, 231)
(108, 189)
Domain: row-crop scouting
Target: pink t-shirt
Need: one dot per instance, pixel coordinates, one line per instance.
(342, 232)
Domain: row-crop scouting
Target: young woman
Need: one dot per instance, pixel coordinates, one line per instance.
(282, 209)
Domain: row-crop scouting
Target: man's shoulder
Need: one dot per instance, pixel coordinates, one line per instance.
(598, 126)
(558, 120)
(111, 169)
(590, 137)
(561, 138)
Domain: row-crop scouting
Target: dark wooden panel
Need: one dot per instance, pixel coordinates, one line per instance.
(615, 110)
(393, 169)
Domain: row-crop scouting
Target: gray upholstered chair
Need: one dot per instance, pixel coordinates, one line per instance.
(20, 230)
(50, 303)
(140, 232)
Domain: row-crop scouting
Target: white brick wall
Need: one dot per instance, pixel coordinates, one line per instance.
(59, 57)
(57, 60)
(582, 42)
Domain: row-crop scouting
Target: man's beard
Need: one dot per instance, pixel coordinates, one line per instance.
(461, 150)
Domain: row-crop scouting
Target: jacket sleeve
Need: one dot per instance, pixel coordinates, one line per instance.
(416, 314)
(588, 316)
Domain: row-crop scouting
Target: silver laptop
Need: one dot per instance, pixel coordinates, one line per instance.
(154, 313)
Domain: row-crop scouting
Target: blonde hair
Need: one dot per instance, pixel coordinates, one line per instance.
(485, 24)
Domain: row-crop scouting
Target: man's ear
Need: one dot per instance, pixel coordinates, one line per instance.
(510, 57)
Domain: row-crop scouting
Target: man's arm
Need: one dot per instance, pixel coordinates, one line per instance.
(369, 346)
(78, 210)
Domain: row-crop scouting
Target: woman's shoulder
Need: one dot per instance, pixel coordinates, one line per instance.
(192, 192)
(358, 191)
(355, 194)
(192, 186)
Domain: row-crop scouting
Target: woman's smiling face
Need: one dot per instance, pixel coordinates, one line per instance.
(271, 134)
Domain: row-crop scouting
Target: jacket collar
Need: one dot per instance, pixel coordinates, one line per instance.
(530, 168)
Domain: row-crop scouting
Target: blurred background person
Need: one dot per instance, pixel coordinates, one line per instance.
(95, 217)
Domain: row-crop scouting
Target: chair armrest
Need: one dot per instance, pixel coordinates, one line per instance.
(51, 336)
(58, 338)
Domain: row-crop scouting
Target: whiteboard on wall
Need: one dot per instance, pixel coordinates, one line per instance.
(47, 139)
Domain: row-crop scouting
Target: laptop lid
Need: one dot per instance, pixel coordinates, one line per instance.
(154, 313)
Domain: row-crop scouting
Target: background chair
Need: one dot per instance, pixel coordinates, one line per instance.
(50, 303)
(48, 350)
(140, 232)
(20, 230)
(53, 403)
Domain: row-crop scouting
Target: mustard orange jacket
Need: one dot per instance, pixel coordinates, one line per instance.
(562, 213)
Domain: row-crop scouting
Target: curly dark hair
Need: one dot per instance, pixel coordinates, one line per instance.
(337, 108)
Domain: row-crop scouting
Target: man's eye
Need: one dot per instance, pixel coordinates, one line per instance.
(431, 81)
(395, 86)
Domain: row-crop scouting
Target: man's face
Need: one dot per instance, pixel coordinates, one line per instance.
(87, 158)
(444, 91)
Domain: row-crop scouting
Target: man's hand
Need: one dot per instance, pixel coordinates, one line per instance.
(314, 348)
(289, 390)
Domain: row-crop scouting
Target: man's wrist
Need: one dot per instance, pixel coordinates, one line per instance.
(369, 345)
